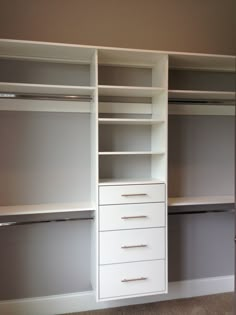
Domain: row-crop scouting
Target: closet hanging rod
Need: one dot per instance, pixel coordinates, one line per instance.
(201, 212)
(4, 224)
(41, 96)
(201, 101)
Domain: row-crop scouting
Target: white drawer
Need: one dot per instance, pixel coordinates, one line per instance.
(121, 194)
(132, 279)
(132, 245)
(119, 217)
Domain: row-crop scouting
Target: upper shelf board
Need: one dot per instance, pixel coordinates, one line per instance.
(128, 91)
(45, 208)
(209, 95)
(84, 54)
(45, 89)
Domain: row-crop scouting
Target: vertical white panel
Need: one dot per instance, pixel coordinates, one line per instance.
(94, 168)
(159, 73)
(160, 133)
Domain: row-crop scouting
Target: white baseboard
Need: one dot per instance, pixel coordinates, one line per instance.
(77, 302)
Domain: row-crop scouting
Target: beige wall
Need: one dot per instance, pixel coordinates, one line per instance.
(206, 26)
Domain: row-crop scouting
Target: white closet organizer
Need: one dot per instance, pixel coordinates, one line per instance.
(132, 118)
(85, 129)
(44, 133)
(204, 100)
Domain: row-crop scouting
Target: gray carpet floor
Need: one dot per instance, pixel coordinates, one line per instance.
(220, 304)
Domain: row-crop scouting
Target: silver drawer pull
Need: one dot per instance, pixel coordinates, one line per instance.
(133, 195)
(134, 279)
(133, 246)
(135, 217)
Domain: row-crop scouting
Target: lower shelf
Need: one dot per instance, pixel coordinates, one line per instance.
(201, 200)
(46, 208)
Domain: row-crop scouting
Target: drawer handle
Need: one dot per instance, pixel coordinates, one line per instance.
(134, 279)
(133, 195)
(133, 246)
(134, 217)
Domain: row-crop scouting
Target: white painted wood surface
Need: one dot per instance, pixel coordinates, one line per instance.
(131, 245)
(201, 200)
(110, 193)
(134, 216)
(130, 121)
(111, 277)
(9, 87)
(46, 208)
(131, 153)
(129, 181)
(125, 194)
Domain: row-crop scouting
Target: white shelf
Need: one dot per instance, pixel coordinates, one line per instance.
(46, 89)
(129, 91)
(129, 121)
(129, 181)
(209, 95)
(46, 208)
(131, 153)
(201, 200)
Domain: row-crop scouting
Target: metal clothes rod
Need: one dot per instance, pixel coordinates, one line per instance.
(3, 224)
(201, 101)
(41, 96)
(201, 212)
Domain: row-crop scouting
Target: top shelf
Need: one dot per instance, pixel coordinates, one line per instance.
(129, 91)
(107, 55)
(45, 89)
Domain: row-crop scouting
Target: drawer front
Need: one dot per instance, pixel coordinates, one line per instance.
(123, 194)
(118, 217)
(131, 279)
(132, 245)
